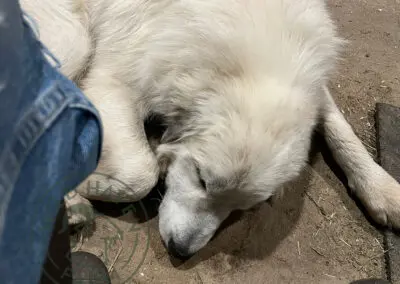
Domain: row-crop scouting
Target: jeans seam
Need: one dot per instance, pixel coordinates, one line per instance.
(46, 109)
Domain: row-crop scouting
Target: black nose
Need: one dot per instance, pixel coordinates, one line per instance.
(178, 251)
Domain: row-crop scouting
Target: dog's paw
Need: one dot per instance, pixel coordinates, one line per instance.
(381, 197)
(79, 209)
(125, 179)
(387, 211)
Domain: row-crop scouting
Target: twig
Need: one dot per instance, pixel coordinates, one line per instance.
(331, 276)
(319, 253)
(379, 243)
(316, 233)
(322, 210)
(345, 242)
(298, 247)
(117, 256)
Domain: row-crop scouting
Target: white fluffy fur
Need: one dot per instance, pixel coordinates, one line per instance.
(241, 84)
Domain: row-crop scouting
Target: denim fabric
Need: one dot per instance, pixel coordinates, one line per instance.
(50, 140)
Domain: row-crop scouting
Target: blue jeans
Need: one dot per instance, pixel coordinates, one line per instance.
(50, 140)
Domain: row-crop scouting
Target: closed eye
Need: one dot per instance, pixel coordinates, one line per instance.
(202, 182)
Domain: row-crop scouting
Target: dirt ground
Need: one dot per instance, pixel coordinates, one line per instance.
(316, 233)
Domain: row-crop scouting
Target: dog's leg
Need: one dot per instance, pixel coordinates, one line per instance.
(126, 155)
(376, 189)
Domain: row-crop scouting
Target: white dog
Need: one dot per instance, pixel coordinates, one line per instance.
(241, 83)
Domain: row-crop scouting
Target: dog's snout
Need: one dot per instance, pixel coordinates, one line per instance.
(177, 250)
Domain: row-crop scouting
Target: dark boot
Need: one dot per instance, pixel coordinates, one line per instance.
(88, 268)
(63, 267)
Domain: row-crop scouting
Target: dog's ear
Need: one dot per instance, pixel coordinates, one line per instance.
(165, 156)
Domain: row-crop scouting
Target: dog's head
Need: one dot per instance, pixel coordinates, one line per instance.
(240, 157)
